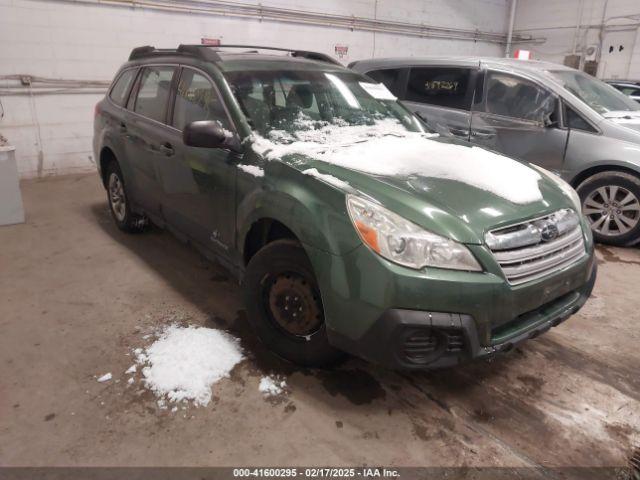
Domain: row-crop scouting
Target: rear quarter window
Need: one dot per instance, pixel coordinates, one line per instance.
(121, 87)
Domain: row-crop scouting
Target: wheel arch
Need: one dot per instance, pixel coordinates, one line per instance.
(265, 216)
(107, 155)
(262, 232)
(604, 167)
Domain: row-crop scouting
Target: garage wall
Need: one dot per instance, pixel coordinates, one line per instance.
(69, 40)
(571, 26)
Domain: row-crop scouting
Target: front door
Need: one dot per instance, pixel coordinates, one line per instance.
(520, 119)
(198, 184)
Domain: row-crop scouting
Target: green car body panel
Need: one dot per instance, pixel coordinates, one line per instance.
(359, 287)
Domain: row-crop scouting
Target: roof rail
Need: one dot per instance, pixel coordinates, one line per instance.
(198, 51)
(320, 57)
(208, 53)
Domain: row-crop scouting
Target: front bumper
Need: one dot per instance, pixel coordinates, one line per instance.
(411, 339)
(408, 319)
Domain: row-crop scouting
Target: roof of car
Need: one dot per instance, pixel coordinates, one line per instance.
(512, 63)
(258, 61)
(240, 57)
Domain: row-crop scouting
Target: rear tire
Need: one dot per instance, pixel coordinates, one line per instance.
(284, 305)
(611, 203)
(119, 204)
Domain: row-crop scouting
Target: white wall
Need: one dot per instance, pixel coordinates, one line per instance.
(52, 133)
(556, 22)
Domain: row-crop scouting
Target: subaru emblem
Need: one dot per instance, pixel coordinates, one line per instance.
(549, 232)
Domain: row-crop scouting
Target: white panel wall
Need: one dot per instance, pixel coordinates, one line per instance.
(556, 22)
(65, 40)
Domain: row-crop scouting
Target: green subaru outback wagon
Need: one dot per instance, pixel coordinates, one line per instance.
(351, 227)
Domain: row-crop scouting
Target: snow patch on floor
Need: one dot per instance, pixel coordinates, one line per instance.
(387, 148)
(252, 170)
(271, 386)
(185, 362)
(105, 378)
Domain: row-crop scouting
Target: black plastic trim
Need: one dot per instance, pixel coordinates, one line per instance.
(382, 343)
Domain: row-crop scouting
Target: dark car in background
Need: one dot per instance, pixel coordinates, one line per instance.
(628, 87)
(551, 115)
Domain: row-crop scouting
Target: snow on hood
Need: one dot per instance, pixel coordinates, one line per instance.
(388, 149)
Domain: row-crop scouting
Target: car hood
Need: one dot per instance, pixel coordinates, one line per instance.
(629, 120)
(446, 186)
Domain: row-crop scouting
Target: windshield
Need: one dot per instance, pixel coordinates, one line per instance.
(598, 95)
(281, 104)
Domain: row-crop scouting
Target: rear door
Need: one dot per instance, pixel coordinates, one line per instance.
(198, 184)
(442, 96)
(521, 119)
(145, 132)
(114, 117)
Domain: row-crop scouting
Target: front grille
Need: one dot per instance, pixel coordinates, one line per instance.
(536, 248)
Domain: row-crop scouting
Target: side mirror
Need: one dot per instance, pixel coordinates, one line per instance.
(205, 134)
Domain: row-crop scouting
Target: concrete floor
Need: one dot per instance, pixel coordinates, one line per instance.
(76, 295)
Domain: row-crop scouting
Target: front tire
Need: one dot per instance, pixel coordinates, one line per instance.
(611, 203)
(119, 204)
(284, 306)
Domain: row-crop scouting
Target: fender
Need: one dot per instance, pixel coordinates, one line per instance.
(314, 211)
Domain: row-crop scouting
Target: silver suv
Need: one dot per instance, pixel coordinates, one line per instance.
(553, 116)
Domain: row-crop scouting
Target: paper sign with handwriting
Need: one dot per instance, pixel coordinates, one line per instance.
(378, 90)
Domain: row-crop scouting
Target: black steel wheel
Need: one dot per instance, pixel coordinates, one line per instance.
(284, 305)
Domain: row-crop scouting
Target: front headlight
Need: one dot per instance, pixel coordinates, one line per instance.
(405, 243)
(564, 186)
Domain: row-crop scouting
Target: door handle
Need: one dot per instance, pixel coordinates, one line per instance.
(483, 135)
(459, 132)
(167, 149)
(122, 127)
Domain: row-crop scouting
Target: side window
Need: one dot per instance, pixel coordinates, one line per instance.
(390, 77)
(120, 89)
(197, 99)
(516, 97)
(153, 92)
(446, 87)
(575, 121)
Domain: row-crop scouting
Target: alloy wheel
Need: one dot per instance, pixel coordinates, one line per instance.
(117, 197)
(612, 210)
